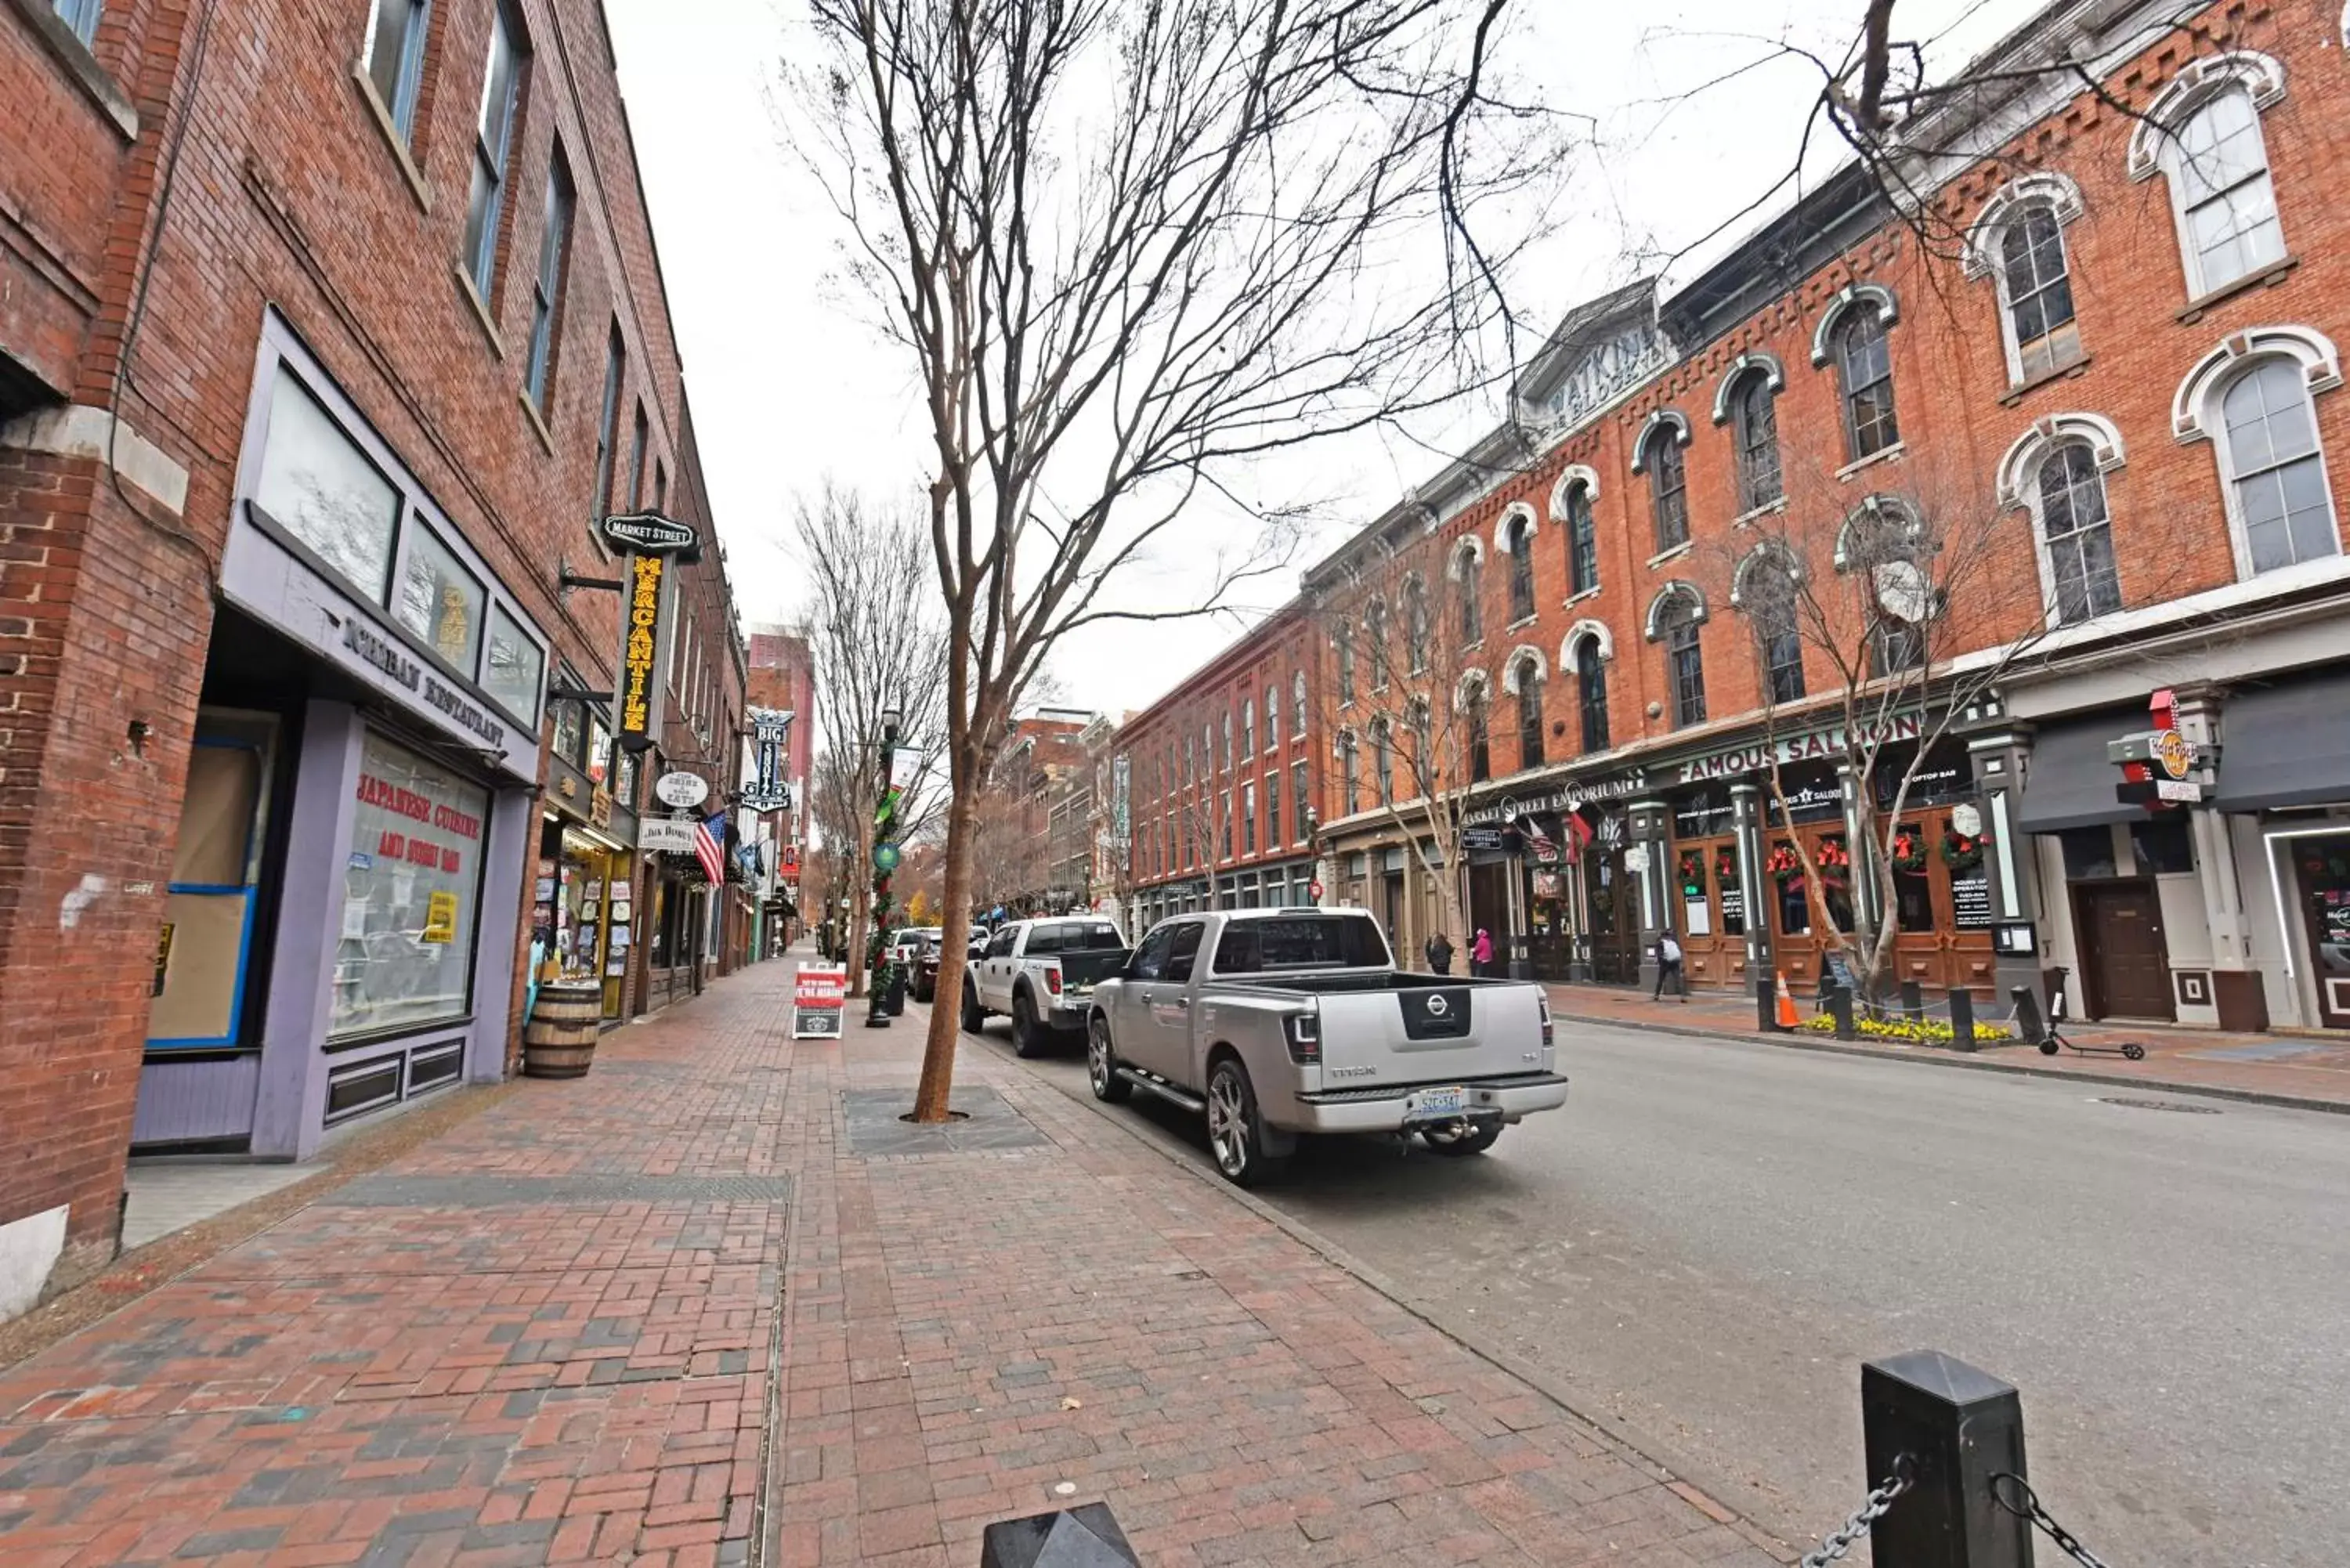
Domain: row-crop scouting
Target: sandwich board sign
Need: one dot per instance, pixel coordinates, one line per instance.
(820, 994)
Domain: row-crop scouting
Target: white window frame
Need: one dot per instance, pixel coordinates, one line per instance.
(2153, 146)
(2019, 487)
(2011, 205)
(407, 81)
(2194, 413)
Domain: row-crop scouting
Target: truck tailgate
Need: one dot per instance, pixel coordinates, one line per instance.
(1429, 1034)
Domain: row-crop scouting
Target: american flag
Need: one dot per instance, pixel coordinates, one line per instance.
(709, 845)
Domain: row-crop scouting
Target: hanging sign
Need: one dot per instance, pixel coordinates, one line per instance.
(650, 534)
(640, 649)
(682, 789)
(666, 835)
(771, 732)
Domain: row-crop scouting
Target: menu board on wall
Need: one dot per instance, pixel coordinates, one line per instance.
(1971, 899)
(1733, 908)
(1697, 917)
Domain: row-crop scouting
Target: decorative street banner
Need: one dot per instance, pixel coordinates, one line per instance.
(640, 652)
(771, 730)
(819, 993)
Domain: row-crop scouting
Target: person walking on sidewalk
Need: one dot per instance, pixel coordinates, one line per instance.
(1440, 954)
(1481, 953)
(1668, 968)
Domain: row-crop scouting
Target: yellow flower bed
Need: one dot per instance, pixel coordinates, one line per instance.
(1906, 1032)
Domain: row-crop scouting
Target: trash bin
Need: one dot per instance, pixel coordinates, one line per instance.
(894, 999)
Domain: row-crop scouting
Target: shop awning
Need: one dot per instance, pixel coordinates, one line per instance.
(2071, 781)
(2285, 745)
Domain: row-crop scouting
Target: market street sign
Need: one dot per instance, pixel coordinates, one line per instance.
(650, 534)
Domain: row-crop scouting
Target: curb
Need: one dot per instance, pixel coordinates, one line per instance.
(1706, 1501)
(1969, 1063)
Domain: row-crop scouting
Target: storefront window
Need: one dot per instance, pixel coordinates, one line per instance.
(319, 487)
(1836, 879)
(1794, 907)
(570, 731)
(2161, 846)
(1733, 892)
(1913, 890)
(2089, 852)
(515, 668)
(599, 748)
(410, 894)
(441, 601)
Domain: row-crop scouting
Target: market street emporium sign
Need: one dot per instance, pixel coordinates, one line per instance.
(1569, 797)
(1816, 745)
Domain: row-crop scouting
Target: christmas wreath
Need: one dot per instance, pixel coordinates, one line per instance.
(1784, 863)
(1909, 851)
(1832, 855)
(1692, 867)
(1725, 865)
(1960, 852)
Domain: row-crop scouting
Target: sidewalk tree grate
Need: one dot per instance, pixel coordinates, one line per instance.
(502, 1191)
(989, 1124)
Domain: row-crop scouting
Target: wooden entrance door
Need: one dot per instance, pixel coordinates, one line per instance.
(2124, 964)
(1612, 896)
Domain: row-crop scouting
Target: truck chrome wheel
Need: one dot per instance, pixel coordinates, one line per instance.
(1230, 1132)
(1101, 1064)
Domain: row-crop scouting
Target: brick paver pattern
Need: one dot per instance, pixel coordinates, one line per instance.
(545, 1338)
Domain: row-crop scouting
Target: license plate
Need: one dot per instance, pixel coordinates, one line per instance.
(1438, 1102)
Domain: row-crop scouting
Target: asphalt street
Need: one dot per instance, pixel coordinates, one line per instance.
(1702, 1249)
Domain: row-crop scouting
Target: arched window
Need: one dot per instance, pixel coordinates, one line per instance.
(1582, 540)
(1521, 541)
(2077, 535)
(1591, 694)
(1297, 705)
(1383, 759)
(1470, 606)
(1477, 716)
(1530, 715)
(1350, 771)
(1345, 665)
(1667, 487)
(2035, 278)
(1414, 624)
(1754, 420)
(1770, 594)
(1673, 619)
(1865, 366)
(2220, 184)
(2275, 469)
(1374, 637)
(1895, 645)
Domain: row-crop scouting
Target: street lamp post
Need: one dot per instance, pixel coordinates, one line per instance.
(885, 862)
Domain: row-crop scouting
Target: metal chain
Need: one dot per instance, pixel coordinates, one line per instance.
(2042, 1520)
(1872, 1508)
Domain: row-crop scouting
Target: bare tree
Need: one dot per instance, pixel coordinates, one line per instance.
(1416, 692)
(1917, 603)
(872, 628)
(1128, 244)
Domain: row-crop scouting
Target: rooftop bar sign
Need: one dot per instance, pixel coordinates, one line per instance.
(1814, 745)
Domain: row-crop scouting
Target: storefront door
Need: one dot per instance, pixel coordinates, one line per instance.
(1614, 899)
(203, 958)
(2324, 867)
(2126, 967)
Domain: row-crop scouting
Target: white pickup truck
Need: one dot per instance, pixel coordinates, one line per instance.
(1043, 973)
(1276, 1023)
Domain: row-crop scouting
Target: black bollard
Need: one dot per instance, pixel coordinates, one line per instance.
(2029, 1024)
(1954, 1429)
(1840, 1009)
(1766, 1003)
(1085, 1536)
(1962, 1019)
(1913, 1000)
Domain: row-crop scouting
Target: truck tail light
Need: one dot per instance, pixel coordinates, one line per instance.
(1053, 980)
(1544, 1002)
(1304, 1032)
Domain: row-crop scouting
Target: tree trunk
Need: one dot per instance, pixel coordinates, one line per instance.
(946, 1001)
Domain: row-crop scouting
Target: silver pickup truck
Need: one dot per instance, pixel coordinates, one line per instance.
(1276, 1023)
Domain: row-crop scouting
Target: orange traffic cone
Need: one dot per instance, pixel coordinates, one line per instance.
(1787, 1018)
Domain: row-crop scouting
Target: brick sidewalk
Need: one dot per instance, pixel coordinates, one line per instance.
(544, 1337)
(2287, 1068)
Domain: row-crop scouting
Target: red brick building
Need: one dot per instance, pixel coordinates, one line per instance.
(326, 333)
(781, 680)
(1224, 779)
(2112, 335)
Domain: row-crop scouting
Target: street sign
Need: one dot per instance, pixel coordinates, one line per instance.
(672, 834)
(650, 534)
(1966, 819)
(1481, 839)
(682, 789)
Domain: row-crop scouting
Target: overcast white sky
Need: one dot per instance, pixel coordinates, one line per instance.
(790, 386)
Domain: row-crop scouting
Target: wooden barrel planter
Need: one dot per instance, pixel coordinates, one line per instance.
(560, 1040)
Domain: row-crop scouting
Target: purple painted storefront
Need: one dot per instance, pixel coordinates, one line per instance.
(343, 916)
